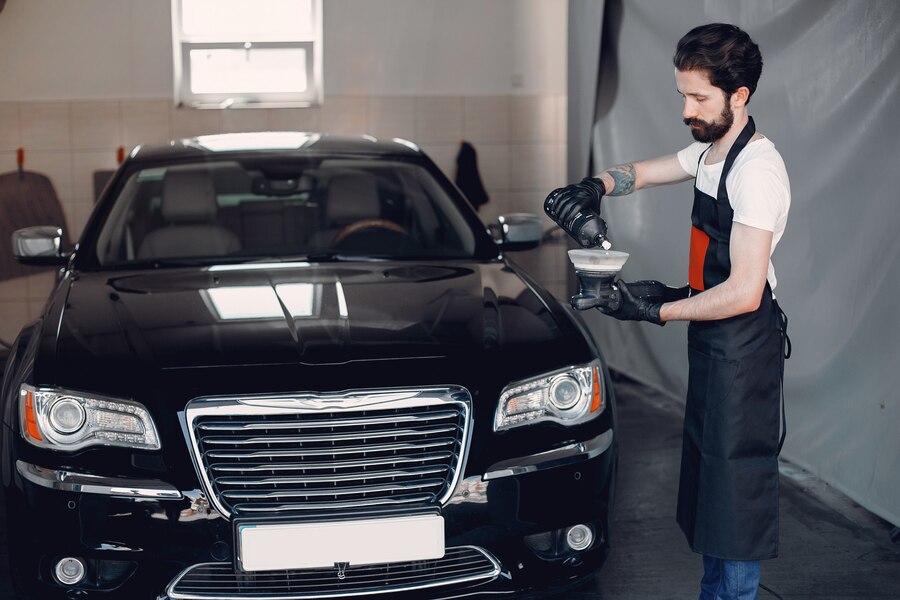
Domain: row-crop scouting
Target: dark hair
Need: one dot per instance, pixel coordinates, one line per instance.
(725, 52)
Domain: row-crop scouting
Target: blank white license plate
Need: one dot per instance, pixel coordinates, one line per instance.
(272, 547)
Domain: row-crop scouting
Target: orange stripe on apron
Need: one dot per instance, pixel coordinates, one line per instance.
(699, 244)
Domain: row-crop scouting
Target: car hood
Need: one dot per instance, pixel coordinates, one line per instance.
(300, 313)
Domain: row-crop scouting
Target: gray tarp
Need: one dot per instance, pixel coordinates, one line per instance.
(828, 98)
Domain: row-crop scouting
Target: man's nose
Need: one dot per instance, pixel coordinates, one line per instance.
(690, 110)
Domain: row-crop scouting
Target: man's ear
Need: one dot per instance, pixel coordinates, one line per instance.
(740, 97)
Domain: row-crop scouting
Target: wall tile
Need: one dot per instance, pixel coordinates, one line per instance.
(13, 290)
(534, 166)
(83, 166)
(15, 316)
(391, 117)
(345, 115)
(242, 120)
(7, 162)
(95, 125)
(295, 119)
(439, 120)
(45, 126)
(55, 165)
(10, 128)
(145, 122)
(496, 206)
(529, 201)
(39, 285)
(190, 122)
(493, 165)
(80, 211)
(486, 119)
(562, 115)
(444, 156)
(534, 119)
(35, 308)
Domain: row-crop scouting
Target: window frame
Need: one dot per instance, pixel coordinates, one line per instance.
(183, 44)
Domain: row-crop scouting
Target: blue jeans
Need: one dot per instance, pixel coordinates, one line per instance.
(729, 579)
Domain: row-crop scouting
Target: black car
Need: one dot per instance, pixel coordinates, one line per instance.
(290, 365)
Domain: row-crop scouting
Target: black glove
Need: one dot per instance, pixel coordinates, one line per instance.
(630, 307)
(576, 208)
(653, 291)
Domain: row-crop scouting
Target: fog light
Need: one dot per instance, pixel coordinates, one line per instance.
(579, 537)
(69, 571)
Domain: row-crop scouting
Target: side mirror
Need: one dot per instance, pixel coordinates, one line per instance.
(39, 246)
(520, 231)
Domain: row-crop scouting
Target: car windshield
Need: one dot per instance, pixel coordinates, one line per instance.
(263, 209)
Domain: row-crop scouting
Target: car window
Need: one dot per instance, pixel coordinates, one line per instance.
(309, 208)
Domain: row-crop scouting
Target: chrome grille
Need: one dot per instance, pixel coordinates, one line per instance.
(462, 565)
(314, 455)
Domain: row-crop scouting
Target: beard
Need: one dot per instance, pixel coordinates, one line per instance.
(710, 132)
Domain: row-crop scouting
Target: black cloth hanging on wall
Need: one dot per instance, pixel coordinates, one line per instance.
(468, 179)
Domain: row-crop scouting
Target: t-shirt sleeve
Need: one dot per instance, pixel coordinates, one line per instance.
(689, 158)
(760, 196)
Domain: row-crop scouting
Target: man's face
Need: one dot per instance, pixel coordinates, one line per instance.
(707, 109)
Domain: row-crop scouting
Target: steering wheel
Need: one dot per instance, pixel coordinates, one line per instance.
(358, 226)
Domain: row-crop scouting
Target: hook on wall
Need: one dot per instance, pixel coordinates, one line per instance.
(20, 162)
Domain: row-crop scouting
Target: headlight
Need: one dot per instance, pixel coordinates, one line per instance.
(569, 396)
(62, 420)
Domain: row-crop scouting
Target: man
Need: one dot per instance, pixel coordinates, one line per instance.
(728, 490)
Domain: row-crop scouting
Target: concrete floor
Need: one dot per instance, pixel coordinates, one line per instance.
(831, 549)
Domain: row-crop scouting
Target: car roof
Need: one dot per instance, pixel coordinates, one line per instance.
(268, 142)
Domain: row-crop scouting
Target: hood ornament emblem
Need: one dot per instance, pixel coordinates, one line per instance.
(341, 569)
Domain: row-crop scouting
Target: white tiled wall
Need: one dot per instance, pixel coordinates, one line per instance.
(520, 142)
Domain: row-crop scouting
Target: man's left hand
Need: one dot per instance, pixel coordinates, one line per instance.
(632, 308)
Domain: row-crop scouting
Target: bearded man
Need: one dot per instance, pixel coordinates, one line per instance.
(737, 341)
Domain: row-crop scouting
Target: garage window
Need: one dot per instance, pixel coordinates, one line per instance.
(247, 53)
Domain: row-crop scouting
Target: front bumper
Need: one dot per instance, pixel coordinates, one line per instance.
(141, 539)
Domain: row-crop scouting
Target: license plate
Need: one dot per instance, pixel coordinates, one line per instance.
(273, 547)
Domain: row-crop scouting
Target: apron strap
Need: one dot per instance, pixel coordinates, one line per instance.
(785, 354)
(742, 140)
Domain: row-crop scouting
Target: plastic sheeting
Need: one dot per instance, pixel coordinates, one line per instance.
(828, 99)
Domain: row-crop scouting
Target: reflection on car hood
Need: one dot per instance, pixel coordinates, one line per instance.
(301, 313)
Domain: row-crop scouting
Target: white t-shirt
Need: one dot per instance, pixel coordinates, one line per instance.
(758, 187)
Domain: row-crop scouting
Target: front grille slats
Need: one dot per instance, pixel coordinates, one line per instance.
(354, 455)
(333, 477)
(462, 565)
(229, 426)
(345, 505)
(327, 437)
(332, 465)
(368, 449)
(335, 491)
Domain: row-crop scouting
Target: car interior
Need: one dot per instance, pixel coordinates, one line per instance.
(327, 208)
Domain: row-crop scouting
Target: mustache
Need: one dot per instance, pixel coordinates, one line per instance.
(697, 122)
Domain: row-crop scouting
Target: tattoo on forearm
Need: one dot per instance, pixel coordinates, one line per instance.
(624, 177)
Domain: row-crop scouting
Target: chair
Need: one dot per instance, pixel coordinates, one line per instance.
(189, 209)
(351, 198)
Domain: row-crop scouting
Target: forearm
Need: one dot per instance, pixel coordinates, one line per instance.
(619, 180)
(630, 177)
(727, 299)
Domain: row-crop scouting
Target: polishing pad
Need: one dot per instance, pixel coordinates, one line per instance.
(597, 260)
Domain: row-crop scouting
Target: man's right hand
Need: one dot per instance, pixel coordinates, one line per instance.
(576, 208)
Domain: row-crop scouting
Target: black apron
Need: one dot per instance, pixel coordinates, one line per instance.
(728, 491)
